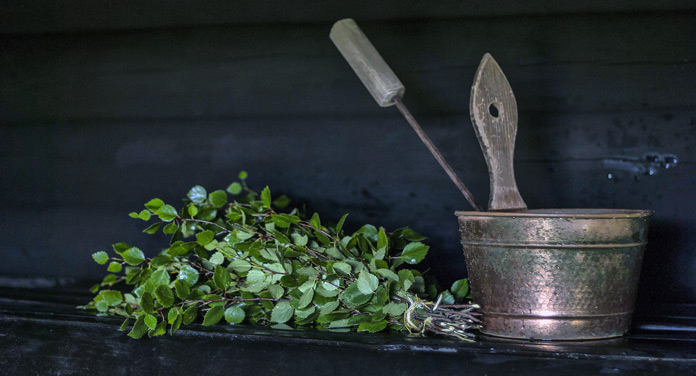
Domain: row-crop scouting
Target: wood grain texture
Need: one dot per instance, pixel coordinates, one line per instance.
(493, 112)
(620, 63)
(47, 16)
(43, 334)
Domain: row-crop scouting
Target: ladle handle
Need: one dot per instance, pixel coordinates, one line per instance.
(494, 115)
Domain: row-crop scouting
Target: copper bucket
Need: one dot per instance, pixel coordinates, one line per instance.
(558, 274)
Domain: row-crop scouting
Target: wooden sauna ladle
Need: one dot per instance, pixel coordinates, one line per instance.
(385, 87)
(493, 112)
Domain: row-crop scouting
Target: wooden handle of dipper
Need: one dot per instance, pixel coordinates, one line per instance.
(494, 114)
(384, 86)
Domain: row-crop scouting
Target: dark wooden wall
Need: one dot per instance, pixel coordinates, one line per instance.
(105, 105)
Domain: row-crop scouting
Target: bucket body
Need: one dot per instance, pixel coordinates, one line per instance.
(556, 274)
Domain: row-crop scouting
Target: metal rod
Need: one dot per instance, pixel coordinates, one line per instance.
(436, 153)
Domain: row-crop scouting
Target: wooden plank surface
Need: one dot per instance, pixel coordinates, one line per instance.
(45, 16)
(555, 64)
(46, 335)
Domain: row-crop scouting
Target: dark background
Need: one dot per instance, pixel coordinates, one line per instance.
(104, 105)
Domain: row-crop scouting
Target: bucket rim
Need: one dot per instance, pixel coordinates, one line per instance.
(562, 213)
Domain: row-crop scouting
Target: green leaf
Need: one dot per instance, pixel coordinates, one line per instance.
(172, 315)
(409, 234)
(160, 260)
(276, 291)
(133, 256)
(120, 247)
(234, 315)
(367, 282)
(166, 213)
(395, 309)
(109, 280)
(382, 240)
(145, 215)
(288, 281)
(100, 257)
(243, 235)
(414, 252)
(160, 277)
(160, 329)
(164, 295)
(369, 232)
(151, 321)
(139, 328)
(217, 258)
(192, 210)
(388, 274)
(234, 188)
(342, 323)
(190, 314)
(269, 254)
(460, 289)
(280, 237)
(372, 327)
(182, 289)
(176, 324)
(282, 312)
(170, 228)
(205, 237)
(102, 306)
(221, 278)
(381, 296)
(153, 228)
(266, 199)
(94, 288)
(315, 221)
(114, 267)
(341, 221)
(342, 268)
(255, 276)
(329, 307)
(111, 297)
(197, 194)
(243, 175)
(353, 297)
(306, 298)
(447, 297)
(300, 240)
(239, 266)
(214, 315)
(282, 202)
(378, 316)
(179, 248)
(280, 221)
(124, 325)
(303, 314)
(154, 204)
(146, 302)
(406, 278)
(188, 275)
(218, 198)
